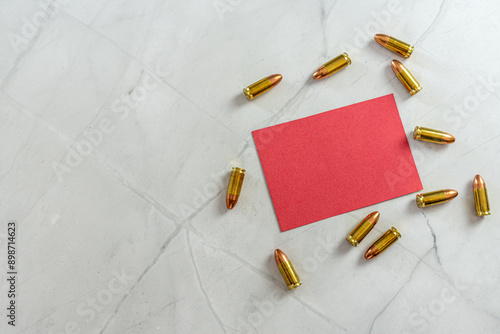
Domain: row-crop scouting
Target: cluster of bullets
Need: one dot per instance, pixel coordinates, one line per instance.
(327, 69)
(481, 200)
(431, 135)
(342, 61)
(355, 237)
(420, 133)
(378, 247)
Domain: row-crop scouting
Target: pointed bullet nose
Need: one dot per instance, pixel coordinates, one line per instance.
(381, 39)
(479, 182)
(231, 201)
(396, 66)
(448, 138)
(275, 79)
(280, 257)
(320, 73)
(370, 253)
(373, 217)
(451, 194)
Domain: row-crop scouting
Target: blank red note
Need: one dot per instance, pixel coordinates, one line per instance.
(337, 161)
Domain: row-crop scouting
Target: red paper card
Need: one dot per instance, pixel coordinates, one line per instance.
(337, 161)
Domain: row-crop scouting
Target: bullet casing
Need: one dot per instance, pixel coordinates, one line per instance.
(435, 197)
(363, 228)
(332, 66)
(399, 47)
(261, 86)
(337, 63)
(236, 181)
(481, 197)
(234, 186)
(482, 202)
(385, 241)
(432, 136)
(405, 77)
(286, 269)
(289, 275)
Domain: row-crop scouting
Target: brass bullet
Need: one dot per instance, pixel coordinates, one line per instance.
(262, 86)
(436, 197)
(289, 274)
(334, 65)
(405, 77)
(363, 228)
(384, 242)
(433, 136)
(394, 44)
(481, 197)
(234, 187)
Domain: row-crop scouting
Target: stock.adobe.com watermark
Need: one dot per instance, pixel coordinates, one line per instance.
(380, 20)
(94, 304)
(463, 109)
(225, 6)
(264, 309)
(421, 319)
(20, 40)
(94, 136)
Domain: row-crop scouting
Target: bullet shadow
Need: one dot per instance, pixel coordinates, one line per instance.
(379, 48)
(412, 205)
(271, 264)
(344, 247)
(310, 81)
(222, 202)
(362, 261)
(239, 100)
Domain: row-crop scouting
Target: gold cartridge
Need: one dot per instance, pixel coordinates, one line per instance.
(262, 86)
(334, 65)
(384, 242)
(394, 44)
(432, 136)
(410, 83)
(234, 187)
(289, 274)
(435, 197)
(481, 197)
(363, 228)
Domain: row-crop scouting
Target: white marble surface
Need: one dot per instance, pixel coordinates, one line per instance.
(129, 234)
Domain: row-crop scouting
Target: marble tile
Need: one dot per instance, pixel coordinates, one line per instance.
(65, 79)
(92, 241)
(121, 121)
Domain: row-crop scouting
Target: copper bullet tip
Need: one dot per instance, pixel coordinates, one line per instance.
(320, 73)
(231, 201)
(275, 79)
(280, 257)
(479, 182)
(373, 217)
(397, 66)
(371, 253)
(448, 139)
(451, 194)
(381, 39)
